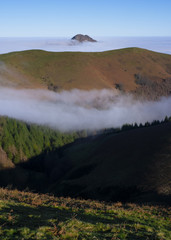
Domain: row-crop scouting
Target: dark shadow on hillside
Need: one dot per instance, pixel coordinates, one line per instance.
(24, 179)
(141, 158)
(114, 194)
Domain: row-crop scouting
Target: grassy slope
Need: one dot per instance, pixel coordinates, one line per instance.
(25, 215)
(69, 70)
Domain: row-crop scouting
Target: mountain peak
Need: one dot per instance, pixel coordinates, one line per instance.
(83, 38)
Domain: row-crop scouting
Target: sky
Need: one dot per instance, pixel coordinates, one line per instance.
(63, 18)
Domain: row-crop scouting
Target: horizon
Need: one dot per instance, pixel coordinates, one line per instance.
(105, 36)
(62, 44)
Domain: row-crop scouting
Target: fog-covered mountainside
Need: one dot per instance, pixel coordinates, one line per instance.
(139, 71)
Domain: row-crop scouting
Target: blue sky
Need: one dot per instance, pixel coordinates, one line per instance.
(55, 18)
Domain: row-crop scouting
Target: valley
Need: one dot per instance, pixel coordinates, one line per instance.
(122, 172)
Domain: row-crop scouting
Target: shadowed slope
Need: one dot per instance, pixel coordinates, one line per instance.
(132, 165)
(143, 72)
(126, 165)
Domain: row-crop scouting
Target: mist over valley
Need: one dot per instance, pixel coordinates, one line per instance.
(77, 110)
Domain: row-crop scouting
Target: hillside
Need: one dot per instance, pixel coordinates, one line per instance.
(25, 215)
(132, 164)
(142, 72)
(19, 141)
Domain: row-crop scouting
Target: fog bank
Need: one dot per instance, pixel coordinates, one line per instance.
(158, 44)
(78, 110)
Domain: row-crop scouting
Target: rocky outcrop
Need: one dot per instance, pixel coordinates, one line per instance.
(83, 38)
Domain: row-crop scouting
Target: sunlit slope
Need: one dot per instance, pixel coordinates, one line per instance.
(125, 69)
(26, 215)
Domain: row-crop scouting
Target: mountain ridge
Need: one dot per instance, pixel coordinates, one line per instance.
(138, 71)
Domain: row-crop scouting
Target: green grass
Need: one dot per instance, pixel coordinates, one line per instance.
(24, 215)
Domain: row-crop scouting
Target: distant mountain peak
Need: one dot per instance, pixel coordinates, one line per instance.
(83, 38)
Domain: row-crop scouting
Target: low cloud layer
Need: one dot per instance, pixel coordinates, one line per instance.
(158, 44)
(78, 110)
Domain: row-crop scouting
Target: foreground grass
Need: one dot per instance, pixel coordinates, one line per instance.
(24, 215)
